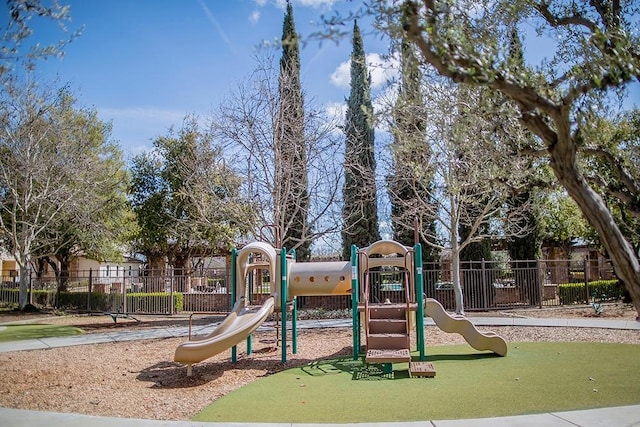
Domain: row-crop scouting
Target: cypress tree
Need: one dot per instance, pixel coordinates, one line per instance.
(526, 249)
(359, 213)
(291, 193)
(407, 191)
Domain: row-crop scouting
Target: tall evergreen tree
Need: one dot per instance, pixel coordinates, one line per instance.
(524, 250)
(359, 212)
(408, 192)
(291, 179)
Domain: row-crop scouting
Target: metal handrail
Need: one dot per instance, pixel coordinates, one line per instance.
(366, 293)
(408, 290)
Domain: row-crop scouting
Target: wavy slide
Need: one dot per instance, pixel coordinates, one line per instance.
(238, 325)
(461, 325)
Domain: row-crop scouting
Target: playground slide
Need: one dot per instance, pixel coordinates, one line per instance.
(238, 325)
(461, 325)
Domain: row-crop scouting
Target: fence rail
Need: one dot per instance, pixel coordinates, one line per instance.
(486, 285)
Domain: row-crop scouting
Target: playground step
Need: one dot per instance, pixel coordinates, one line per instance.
(387, 326)
(388, 311)
(412, 306)
(387, 341)
(388, 355)
(422, 369)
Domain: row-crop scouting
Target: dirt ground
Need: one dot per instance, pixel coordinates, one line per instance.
(140, 379)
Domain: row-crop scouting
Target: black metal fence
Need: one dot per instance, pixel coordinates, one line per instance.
(486, 285)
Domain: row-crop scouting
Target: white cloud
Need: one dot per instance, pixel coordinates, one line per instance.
(261, 3)
(381, 69)
(342, 75)
(254, 17)
(316, 3)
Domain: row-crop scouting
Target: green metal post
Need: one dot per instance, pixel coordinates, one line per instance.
(294, 325)
(234, 273)
(419, 284)
(250, 299)
(294, 317)
(355, 293)
(283, 302)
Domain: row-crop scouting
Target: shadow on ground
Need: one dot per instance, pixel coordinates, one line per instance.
(170, 375)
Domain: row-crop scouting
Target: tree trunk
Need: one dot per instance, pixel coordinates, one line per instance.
(457, 287)
(23, 293)
(624, 259)
(154, 282)
(23, 289)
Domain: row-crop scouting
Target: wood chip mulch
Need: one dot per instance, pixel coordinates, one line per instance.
(140, 380)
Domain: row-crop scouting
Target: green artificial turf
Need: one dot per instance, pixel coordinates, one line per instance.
(532, 378)
(34, 331)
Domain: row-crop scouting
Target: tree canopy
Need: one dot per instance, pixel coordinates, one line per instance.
(186, 199)
(61, 181)
(360, 211)
(290, 147)
(592, 50)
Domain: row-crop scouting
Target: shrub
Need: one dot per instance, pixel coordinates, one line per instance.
(159, 302)
(604, 290)
(154, 302)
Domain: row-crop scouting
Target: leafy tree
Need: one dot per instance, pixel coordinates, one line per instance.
(525, 250)
(563, 223)
(289, 147)
(359, 211)
(596, 50)
(463, 156)
(592, 50)
(611, 155)
(105, 222)
(186, 199)
(409, 130)
(50, 157)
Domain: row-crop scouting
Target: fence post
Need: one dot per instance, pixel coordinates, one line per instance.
(172, 296)
(540, 278)
(484, 286)
(30, 286)
(585, 269)
(89, 290)
(124, 291)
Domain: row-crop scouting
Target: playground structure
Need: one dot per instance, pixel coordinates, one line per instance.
(387, 325)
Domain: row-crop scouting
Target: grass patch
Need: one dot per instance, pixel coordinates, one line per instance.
(533, 378)
(35, 331)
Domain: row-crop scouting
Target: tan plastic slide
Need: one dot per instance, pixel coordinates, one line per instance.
(461, 325)
(238, 325)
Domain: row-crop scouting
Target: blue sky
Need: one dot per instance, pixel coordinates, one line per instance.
(145, 64)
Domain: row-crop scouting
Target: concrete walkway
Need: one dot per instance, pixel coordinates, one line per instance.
(122, 335)
(625, 416)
